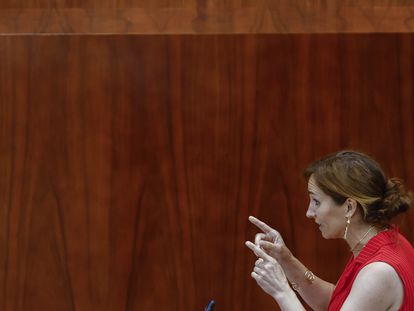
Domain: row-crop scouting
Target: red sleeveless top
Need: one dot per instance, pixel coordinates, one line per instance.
(389, 247)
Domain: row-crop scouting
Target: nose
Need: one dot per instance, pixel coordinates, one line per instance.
(310, 213)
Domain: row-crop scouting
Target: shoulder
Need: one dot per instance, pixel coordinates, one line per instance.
(376, 273)
(376, 287)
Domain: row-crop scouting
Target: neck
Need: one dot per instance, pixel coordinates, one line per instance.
(359, 236)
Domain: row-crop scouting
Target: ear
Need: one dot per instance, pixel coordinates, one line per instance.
(351, 207)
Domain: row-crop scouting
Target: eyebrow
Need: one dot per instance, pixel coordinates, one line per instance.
(311, 192)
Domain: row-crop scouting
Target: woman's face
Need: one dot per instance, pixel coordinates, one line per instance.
(330, 217)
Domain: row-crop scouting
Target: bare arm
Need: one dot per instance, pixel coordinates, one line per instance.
(316, 294)
(376, 287)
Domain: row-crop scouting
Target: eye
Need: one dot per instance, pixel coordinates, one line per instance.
(315, 202)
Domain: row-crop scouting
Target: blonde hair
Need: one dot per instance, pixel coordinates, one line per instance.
(351, 174)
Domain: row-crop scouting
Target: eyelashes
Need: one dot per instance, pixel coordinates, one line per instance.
(315, 202)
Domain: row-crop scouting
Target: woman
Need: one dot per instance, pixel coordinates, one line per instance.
(350, 199)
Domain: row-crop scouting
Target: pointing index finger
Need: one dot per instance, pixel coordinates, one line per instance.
(258, 251)
(260, 224)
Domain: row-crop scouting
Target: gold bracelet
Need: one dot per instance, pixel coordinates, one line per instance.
(308, 275)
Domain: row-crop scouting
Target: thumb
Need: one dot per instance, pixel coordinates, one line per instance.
(270, 247)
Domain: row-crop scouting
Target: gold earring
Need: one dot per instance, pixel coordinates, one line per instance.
(348, 222)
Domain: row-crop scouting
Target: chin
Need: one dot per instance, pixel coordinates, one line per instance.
(326, 235)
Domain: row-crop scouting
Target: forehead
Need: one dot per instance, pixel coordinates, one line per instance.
(313, 187)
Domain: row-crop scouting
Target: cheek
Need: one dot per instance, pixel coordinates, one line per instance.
(325, 216)
(331, 223)
(320, 212)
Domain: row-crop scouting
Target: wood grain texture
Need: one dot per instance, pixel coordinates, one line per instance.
(206, 17)
(226, 4)
(129, 164)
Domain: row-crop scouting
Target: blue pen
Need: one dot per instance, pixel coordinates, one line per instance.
(210, 306)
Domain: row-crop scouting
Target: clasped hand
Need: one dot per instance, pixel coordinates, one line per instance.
(269, 247)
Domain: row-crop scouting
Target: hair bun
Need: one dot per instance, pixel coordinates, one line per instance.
(397, 199)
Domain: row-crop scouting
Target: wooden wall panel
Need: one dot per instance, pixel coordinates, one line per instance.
(206, 17)
(331, 5)
(129, 164)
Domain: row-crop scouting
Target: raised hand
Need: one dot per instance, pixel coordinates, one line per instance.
(268, 273)
(270, 240)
